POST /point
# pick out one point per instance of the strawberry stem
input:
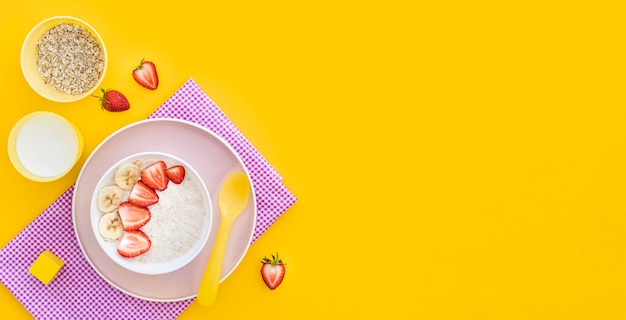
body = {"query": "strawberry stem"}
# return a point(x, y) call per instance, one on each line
point(103, 100)
point(140, 66)
point(274, 261)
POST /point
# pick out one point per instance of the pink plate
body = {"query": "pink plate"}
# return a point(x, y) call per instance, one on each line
point(210, 156)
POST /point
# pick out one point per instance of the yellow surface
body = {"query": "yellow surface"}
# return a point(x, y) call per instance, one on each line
point(46, 266)
point(452, 159)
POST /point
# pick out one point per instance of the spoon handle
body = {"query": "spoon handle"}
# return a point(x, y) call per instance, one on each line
point(207, 292)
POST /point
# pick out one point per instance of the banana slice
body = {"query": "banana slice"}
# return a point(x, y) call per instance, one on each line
point(126, 175)
point(110, 226)
point(109, 198)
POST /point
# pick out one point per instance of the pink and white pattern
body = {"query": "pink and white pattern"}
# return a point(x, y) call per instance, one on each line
point(192, 104)
point(78, 292)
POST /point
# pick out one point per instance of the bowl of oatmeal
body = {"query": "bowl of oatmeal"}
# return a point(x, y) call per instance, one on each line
point(151, 213)
point(63, 59)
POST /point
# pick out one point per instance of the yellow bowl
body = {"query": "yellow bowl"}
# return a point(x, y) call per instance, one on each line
point(44, 146)
point(28, 59)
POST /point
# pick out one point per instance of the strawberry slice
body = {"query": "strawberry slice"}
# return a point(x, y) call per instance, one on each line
point(146, 75)
point(133, 217)
point(176, 174)
point(133, 243)
point(272, 271)
point(154, 176)
point(142, 196)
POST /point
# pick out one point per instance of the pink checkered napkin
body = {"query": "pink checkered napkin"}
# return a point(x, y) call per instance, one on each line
point(78, 292)
point(192, 104)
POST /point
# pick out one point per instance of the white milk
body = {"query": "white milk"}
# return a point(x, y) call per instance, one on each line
point(47, 146)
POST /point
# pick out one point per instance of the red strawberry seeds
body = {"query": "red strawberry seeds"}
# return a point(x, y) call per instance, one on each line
point(113, 101)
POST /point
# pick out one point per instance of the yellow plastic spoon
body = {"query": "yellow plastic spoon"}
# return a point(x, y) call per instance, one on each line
point(232, 200)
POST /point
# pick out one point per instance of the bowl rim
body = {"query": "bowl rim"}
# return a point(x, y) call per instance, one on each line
point(164, 267)
point(12, 146)
point(24, 59)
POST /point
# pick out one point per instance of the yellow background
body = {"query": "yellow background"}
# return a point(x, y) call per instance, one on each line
point(452, 159)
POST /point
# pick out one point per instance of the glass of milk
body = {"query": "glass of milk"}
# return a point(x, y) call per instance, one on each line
point(43, 146)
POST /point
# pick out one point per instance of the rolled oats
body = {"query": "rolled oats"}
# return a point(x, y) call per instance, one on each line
point(69, 58)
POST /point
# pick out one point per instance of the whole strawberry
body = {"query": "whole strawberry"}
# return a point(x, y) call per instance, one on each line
point(146, 75)
point(113, 100)
point(272, 271)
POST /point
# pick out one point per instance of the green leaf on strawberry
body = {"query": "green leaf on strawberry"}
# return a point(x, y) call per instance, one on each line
point(113, 101)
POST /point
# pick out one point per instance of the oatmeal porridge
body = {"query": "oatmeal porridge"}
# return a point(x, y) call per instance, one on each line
point(176, 223)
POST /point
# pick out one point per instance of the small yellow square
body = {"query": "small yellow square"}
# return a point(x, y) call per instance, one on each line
point(46, 266)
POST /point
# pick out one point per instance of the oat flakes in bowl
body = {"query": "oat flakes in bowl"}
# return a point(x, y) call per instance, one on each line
point(63, 59)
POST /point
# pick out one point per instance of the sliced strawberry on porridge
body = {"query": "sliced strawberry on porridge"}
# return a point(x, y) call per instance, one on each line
point(176, 174)
point(142, 196)
point(133, 243)
point(133, 217)
point(154, 176)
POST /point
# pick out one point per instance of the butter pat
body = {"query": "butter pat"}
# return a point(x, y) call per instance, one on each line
point(46, 266)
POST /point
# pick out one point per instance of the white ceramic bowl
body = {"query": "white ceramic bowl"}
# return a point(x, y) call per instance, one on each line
point(43, 146)
point(168, 224)
point(28, 59)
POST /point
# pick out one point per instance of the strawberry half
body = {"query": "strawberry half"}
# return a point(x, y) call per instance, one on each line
point(133, 217)
point(154, 176)
point(133, 243)
point(146, 75)
point(113, 100)
point(176, 174)
point(142, 196)
point(272, 271)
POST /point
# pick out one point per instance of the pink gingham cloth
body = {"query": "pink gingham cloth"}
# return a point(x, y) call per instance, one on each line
point(77, 292)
